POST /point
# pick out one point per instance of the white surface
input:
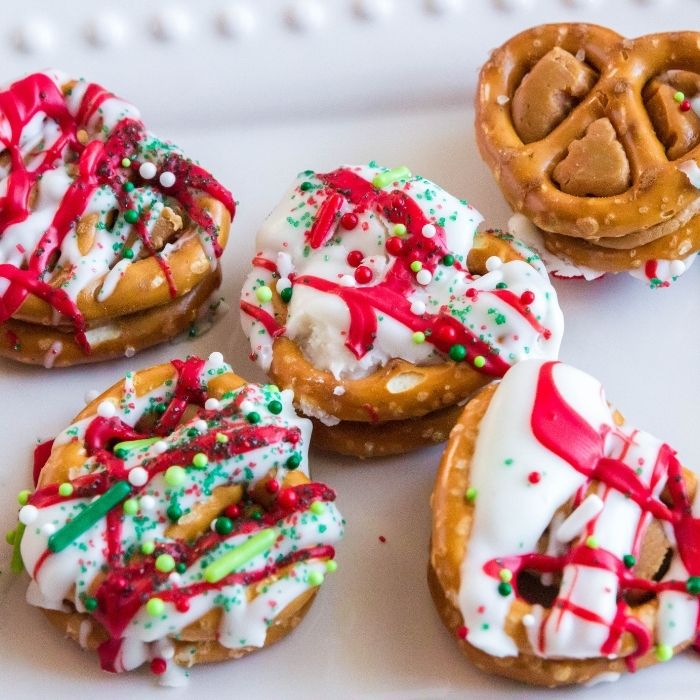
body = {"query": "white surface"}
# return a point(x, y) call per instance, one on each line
point(373, 630)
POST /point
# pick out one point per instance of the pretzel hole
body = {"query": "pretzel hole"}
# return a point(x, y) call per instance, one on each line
point(533, 590)
point(404, 382)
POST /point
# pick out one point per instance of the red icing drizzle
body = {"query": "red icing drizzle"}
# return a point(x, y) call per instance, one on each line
point(98, 164)
point(564, 432)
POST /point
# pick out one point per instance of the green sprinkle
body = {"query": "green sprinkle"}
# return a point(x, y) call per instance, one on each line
point(505, 575)
point(501, 285)
point(692, 585)
point(181, 567)
point(592, 542)
point(331, 566)
point(253, 417)
point(479, 361)
point(128, 253)
point(128, 187)
point(315, 578)
point(129, 445)
point(263, 294)
point(175, 476)
point(448, 260)
point(679, 96)
point(318, 508)
point(126, 162)
point(457, 352)
point(418, 337)
point(221, 438)
point(305, 186)
point(65, 489)
point(155, 607)
point(629, 560)
point(400, 230)
point(165, 563)
point(16, 563)
point(131, 506)
point(90, 603)
point(275, 407)
point(470, 494)
point(131, 216)
point(148, 547)
point(416, 266)
point(174, 512)
point(10, 537)
point(223, 526)
point(200, 460)
point(505, 589)
point(294, 460)
point(84, 520)
point(386, 178)
point(237, 557)
point(664, 652)
point(286, 295)
point(23, 497)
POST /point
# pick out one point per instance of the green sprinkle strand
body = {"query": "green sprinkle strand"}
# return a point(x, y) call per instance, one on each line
point(237, 557)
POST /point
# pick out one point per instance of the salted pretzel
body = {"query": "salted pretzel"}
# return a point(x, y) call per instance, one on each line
point(583, 132)
point(174, 522)
point(102, 226)
point(373, 298)
point(565, 543)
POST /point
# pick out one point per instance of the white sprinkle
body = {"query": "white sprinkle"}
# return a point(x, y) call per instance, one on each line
point(216, 358)
point(528, 620)
point(28, 514)
point(283, 283)
point(147, 504)
point(677, 267)
point(167, 179)
point(129, 351)
point(212, 525)
point(91, 395)
point(106, 409)
point(138, 476)
point(247, 407)
point(418, 308)
point(201, 426)
point(338, 390)
point(175, 579)
point(347, 281)
point(503, 99)
point(48, 529)
point(579, 518)
point(493, 263)
point(424, 277)
point(147, 170)
point(212, 404)
point(429, 230)
point(160, 447)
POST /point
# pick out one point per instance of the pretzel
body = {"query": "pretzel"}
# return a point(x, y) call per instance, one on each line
point(581, 130)
point(100, 220)
point(551, 560)
point(375, 301)
point(174, 521)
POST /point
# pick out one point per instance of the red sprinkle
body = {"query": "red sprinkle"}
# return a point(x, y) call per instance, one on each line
point(355, 257)
point(382, 539)
point(348, 221)
point(527, 297)
point(272, 486)
point(446, 334)
point(534, 477)
point(182, 605)
point(363, 274)
point(394, 245)
point(233, 511)
point(471, 292)
point(159, 666)
point(462, 632)
point(685, 105)
point(287, 498)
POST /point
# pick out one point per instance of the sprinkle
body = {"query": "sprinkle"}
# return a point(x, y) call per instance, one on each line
point(201, 426)
point(48, 528)
point(534, 477)
point(505, 575)
point(286, 295)
point(212, 405)
point(502, 100)
point(221, 438)
point(664, 652)
point(629, 560)
point(424, 277)
point(479, 361)
point(223, 525)
point(685, 106)
point(305, 186)
point(501, 285)
point(294, 460)
point(158, 666)
point(457, 352)
point(348, 221)
point(131, 216)
point(400, 230)
point(216, 359)
point(493, 263)
point(128, 186)
point(318, 508)
point(237, 557)
point(429, 230)
point(416, 266)
point(175, 476)
point(23, 497)
point(394, 245)
point(147, 503)
point(165, 563)
point(126, 162)
point(363, 274)
point(233, 511)
point(462, 632)
point(579, 518)
point(148, 547)
point(200, 460)
point(528, 620)
point(16, 564)
point(131, 506)
point(28, 514)
point(263, 294)
point(87, 517)
point(346, 281)
point(505, 589)
point(253, 417)
point(527, 297)
point(167, 179)
point(90, 603)
point(331, 566)
point(470, 494)
point(283, 283)
point(315, 578)
point(174, 512)
point(128, 253)
point(692, 585)
point(592, 542)
point(155, 607)
point(679, 96)
point(147, 170)
point(138, 476)
point(386, 178)
point(287, 498)
point(275, 407)
point(106, 409)
point(10, 537)
point(160, 447)
point(382, 539)
point(448, 260)
point(418, 308)
point(418, 337)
